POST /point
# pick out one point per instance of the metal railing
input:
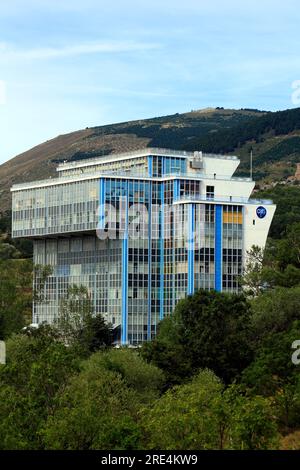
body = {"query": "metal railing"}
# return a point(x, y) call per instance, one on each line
point(140, 153)
point(230, 199)
point(120, 173)
point(211, 176)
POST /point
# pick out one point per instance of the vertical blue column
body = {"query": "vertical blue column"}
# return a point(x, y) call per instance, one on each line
point(150, 173)
point(162, 254)
point(163, 165)
point(149, 259)
point(124, 325)
point(150, 165)
point(218, 247)
point(99, 231)
point(191, 250)
point(101, 222)
point(176, 194)
point(46, 209)
point(176, 190)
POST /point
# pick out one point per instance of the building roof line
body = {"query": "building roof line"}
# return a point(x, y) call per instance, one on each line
point(115, 175)
point(139, 153)
point(227, 200)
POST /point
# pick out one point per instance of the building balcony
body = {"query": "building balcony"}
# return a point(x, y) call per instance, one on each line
point(221, 199)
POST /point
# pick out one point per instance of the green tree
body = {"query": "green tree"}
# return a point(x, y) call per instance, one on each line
point(76, 324)
point(38, 366)
point(8, 251)
point(202, 415)
point(13, 419)
point(41, 275)
point(288, 249)
point(74, 308)
point(252, 279)
point(185, 417)
point(265, 269)
point(273, 374)
point(252, 421)
point(273, 312)
point(15, 296)
point(17, 248)
point(207, 330)
point(287, 200)
point(272, 363)
point(95, 333)
point(146, 379)
point(97, 410)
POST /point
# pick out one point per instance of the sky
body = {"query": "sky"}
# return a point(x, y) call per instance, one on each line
point(68, 64)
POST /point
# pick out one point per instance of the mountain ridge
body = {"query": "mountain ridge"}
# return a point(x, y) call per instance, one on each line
point(273, 136)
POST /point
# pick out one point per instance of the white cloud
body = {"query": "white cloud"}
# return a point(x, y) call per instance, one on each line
point(9, 52)
point(2, 92)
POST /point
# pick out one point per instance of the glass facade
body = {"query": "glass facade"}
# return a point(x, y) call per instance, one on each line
point(54, 209)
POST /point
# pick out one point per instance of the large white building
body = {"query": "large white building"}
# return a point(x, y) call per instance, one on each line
point(140, 230)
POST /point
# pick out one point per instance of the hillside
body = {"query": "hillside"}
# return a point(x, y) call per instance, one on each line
point(274, 137)
point(168, 131)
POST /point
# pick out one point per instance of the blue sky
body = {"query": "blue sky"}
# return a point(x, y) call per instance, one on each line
point(69, 64)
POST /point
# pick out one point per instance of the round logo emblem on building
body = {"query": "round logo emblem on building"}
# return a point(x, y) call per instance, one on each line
point(261, 212)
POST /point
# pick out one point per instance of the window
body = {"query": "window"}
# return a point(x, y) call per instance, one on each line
point(210, 192)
